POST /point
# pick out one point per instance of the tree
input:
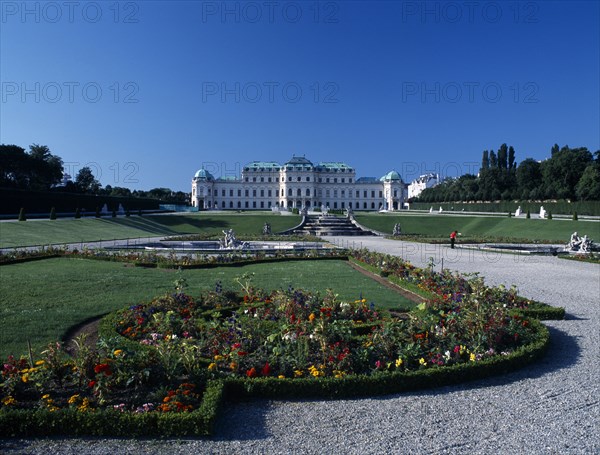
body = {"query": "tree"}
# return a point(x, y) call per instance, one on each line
point(52, 213)
point(512, 165)
point(588, 187)
point(503, 157)
point(529, 176)
point(563, 170)
point(493, 160)
point(22, 216)
point(86, 182)
point(485, 161)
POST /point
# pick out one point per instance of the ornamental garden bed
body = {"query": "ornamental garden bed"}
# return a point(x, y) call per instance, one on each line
point(163, 367)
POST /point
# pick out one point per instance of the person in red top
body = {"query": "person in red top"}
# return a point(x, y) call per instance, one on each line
point(453, 238)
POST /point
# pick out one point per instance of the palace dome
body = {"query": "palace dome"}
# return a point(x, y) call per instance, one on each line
point(203, 174)
point(390, 176)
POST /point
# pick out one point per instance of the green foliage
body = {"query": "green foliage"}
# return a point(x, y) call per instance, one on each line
point(97, 214)
point(22, 216)
point(77, 213)
point(52, 213)
point(549, 215)
point(528, 216)
point(575, 218)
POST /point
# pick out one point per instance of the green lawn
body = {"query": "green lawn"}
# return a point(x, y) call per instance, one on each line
point(44, 232)
point(436, 225)
point(40, 300)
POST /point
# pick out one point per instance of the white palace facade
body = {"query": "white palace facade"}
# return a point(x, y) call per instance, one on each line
point(298, 184)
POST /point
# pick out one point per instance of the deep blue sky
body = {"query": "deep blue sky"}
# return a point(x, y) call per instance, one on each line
point(412, 86)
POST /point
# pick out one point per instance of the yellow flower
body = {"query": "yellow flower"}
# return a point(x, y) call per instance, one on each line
point(9, 401)
point(233, 365)
point(338, 374)
point(422, 361)
point(212, 366)
point(45, 397)
point(218, 357)
point(311, 317)
point(472, 357)
point(118, 352)
point(73, 399)
point(398, 363)
point(40, 362)
point(298, 373)
point(364, 301)
point(25, 377)
point(281, 376)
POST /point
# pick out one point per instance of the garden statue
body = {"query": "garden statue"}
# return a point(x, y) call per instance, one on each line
point(518, 211)
point(349, 212)
point(441, 210)
point(231, 242)
point(266, 229)
point(542, 212)
point(578, 244)
point(431, 209)
point(304, 211)
point(397, 230)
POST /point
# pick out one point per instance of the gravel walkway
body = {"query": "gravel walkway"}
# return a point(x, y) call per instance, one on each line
point(552, 407)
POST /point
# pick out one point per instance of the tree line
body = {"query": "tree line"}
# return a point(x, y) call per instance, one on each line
point(39, 170)
point(569, 173)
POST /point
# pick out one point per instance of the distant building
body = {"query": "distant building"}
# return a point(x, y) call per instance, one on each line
point(298, 184)
point(424, 181)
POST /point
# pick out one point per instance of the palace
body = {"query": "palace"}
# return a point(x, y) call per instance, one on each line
point(298, 184)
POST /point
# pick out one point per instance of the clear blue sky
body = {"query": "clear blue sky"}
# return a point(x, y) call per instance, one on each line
point(147, 92)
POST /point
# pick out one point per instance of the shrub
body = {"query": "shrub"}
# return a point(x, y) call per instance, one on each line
point(77, 213)
point(575, 218)
point(22, 216)
point(528, 216)
point(549, 215)
point(52, 213)
point(97, 212)
point(114, 214)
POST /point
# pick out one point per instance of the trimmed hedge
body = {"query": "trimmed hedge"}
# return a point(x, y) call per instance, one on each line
point(42, 422)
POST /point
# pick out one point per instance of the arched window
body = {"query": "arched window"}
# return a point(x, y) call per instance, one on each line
point(308, 191)
point(299, 192)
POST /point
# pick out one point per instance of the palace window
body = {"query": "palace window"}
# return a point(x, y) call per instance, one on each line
point(239, 193)
point(373, 195)
point(308, 191)
point(253, 193)
point(365, 194)
point(247, 194)
point(269, 193)
point(253, 204)
point(380, 193)
point(299, 192)
point(262, 179)
point(230, 193)
point(357, 194)
point(262, 193)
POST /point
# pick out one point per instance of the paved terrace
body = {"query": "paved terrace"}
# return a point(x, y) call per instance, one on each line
point(552, 407)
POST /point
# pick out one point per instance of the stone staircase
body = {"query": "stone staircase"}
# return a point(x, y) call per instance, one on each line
point(320, 225)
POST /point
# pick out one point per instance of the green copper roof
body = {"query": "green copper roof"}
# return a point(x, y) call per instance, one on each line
point(263, 164)
point(203, 174)
point(392, 175)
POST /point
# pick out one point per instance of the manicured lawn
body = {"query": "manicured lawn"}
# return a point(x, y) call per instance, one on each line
point(40, 300)
point(436, 225)
point(44, 232)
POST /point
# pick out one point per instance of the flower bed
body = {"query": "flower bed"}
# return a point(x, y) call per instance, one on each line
point(162, 368)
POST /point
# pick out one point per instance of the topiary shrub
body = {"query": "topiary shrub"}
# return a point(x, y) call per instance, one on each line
point(528, 216)
point(22, 216)
point(97, 212)
point(575, 218)
point(77, 213)
point(549, 215)
point(52, 213)
point(114, 214)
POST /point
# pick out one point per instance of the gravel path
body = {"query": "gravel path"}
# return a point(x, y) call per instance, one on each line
point(552, 407)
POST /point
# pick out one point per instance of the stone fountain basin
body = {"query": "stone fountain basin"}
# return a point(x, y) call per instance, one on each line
point(212, 246)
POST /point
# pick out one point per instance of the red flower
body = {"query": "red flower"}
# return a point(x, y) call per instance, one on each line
point(242, 353)
point(266, 369)
point(251, 373)
point(91, 384)
point(103, 368)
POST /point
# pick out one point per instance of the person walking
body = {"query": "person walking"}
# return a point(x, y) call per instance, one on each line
point(453, 238)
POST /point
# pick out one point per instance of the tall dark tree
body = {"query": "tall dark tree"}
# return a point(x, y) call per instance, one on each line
point(86, 182)
point(503, 157)
point(512, 165)
point(485, 161)
point(529, 178)
point(493, 160)
point(588, 187)
point(554, 149)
